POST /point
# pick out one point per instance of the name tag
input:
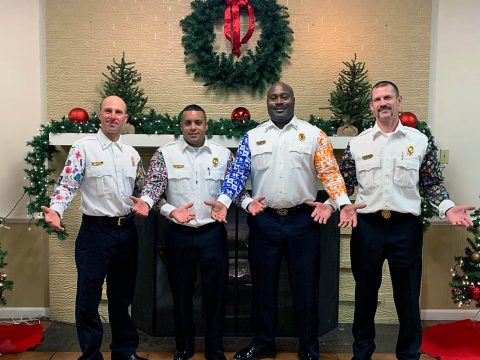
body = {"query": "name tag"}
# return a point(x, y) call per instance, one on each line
point(97, 163)
point(261, 142)
point(178, 166)
point(366, 157)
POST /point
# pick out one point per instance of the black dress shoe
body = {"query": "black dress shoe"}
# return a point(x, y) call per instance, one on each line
point(254, 352)
point(182, 355)
point(303, 355)
point(135, 357)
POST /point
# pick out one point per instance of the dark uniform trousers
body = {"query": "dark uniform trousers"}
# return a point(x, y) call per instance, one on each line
point(185, 249)
point(105, 249)
point(297, 237)
point(398, 240)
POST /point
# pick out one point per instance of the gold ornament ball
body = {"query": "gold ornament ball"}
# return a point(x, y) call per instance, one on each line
point(475, 257)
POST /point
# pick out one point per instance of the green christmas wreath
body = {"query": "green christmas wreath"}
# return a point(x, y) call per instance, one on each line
point(256, 69)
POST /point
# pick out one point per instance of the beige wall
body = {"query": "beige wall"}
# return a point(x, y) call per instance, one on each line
point(393, 38)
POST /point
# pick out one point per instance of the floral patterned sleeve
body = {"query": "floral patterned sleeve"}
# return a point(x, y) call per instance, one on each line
point(157, 179)
point(139, 179)
point(432, 187)
point(70, 179)
point(244, 194)
point(327, 167)
point(348, 171)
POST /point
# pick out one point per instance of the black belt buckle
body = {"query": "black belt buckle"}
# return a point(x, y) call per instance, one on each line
point(281, 212)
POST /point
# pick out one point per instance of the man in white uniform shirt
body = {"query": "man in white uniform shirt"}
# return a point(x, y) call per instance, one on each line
point(107, 172)
point(284, 157)
point(392, 164)
point(190, 171)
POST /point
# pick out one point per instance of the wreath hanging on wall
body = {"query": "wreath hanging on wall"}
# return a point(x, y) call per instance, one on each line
point(256, 70)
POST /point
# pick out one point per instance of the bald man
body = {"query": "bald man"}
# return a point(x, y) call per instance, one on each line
point(106, 172)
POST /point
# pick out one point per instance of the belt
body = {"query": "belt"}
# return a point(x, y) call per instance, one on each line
point(289, 211)
point(389, 214)
point(109, 220)
point(194, 229)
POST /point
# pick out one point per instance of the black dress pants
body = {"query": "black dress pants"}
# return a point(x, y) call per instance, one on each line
point(111, 251)
point(398, 240)
point(297, 237)
point(185, 249)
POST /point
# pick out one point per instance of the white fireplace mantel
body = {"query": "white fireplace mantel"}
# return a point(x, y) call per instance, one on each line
point(154, 141)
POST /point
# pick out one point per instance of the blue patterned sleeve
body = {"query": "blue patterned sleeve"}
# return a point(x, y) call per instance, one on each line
point(239, 171)
point(348, 170)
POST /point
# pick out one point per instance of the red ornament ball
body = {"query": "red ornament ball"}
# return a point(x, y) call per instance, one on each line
point(78, 116)
point(409, 119)
point(240, 114)
point(474, 292)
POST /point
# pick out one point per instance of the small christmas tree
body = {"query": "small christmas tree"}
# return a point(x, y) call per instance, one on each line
point(122, 82)
point(465, 281)
point(350, 100)
point(4, 283)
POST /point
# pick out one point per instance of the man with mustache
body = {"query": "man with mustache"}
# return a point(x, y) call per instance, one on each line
point(190, 171)
point(284, 157)
point(106, 172)
point(392, 164)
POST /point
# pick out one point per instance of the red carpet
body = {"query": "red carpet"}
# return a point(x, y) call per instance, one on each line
point(18, 338)
point(459, 340)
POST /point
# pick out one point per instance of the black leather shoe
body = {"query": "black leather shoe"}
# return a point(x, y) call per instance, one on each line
point(303, 355)
point(135, 357)
point(182, 355)
point(254, 352)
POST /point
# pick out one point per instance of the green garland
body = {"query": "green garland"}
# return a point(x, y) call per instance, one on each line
point(38, 173)
point(255, 70)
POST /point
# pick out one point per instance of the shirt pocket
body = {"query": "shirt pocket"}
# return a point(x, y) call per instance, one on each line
point(178, 181)
point(261, 157)
point(406, 172)
point(102, 177)
point(369, 174)
point(214, 180)
point(300, 155)
point(130, 176)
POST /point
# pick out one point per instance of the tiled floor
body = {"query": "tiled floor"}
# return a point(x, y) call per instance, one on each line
point(60, 343)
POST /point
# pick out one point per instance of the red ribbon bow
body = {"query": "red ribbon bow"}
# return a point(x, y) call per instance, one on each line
point(232, 13)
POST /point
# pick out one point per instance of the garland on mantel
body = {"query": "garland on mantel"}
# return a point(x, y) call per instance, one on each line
point(38, 173)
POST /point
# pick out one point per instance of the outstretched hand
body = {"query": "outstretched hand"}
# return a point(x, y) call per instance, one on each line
point(219, 211)
point(256, 206)
point(140, 207)
point(348, 215)
point(457, 215)
point(52, 218)
point(322, 212)
point(182, 215)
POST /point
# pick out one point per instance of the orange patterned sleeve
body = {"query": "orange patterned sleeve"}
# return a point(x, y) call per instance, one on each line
point(327, 167)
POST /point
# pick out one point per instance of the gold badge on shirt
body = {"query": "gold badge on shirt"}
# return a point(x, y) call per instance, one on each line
point(133, 161)
point(178, 166)
point(261, 142)
point(301, 137)
point(97, 163)
point(367, 157)
point(410, 149)
point(215, 161)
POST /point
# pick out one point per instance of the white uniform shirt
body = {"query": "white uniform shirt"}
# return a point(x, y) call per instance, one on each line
point(105, 173)
point(388, 170)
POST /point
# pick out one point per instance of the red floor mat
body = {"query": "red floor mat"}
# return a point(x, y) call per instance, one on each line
point(18, 338)
point(458, 340)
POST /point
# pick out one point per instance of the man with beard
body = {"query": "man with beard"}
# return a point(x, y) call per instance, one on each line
point(392, 164)
point(107, 172)
point(190, 171)
point(283, 157)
